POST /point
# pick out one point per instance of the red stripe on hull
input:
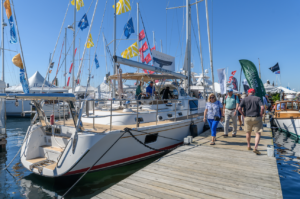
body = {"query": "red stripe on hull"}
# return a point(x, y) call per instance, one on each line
point(121, 161)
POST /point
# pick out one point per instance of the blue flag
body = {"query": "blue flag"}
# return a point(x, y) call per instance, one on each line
point(128, 28)
point(96, 61)
point(23, 81)
point(83, 23)
point(13, 36)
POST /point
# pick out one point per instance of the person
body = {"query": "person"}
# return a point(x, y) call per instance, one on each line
point(150, 90)
point(239, 114)
point(213, 108)
point(231, 104)
point(266, 105)
point(200, 95)
point(166, 92)
point(138, 92)
point(253, 109)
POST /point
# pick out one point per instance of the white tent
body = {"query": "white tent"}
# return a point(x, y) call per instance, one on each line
point(286, 91)
point(35, 86)
point(82, 89)
point(271, 89)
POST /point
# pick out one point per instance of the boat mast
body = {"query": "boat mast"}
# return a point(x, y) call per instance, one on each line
point(65, 57)
point(74, 35)
point(161, 47)
point(188, 43)
point(209, 47)
point(2, 46)
point(204, 93)
point(137, 32)
point(115, 47)
point(105, 55)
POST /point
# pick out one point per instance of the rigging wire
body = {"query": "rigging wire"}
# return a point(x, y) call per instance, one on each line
point(179, 41)
point(167, 25)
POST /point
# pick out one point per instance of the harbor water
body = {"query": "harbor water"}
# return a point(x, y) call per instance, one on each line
point(18, 182)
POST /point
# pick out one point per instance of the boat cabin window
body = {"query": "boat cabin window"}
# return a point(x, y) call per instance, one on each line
point(289, 105)
point(278, 106)
point(295, 106)
point(282, 106)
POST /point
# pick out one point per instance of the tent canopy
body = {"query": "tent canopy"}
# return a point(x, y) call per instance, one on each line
point(285, 90)
point(271, 89)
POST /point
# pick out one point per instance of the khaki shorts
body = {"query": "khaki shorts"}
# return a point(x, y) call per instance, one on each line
point(253, 123)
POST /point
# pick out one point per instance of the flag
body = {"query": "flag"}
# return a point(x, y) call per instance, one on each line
point(96, 61)
point(13, 36)
point(70, 71)
point(148, 58)
point(277, 72)
point(83, 23)
point(142, 35)
point(123, 6)
point(23, 81)
point(128, 28)
point(90, 42)
point(51, 65)
point(233, 72)
point(145, 71)
point(230, 79)
point(131, 51)
point(252, 77)
point(68, 81)
point(17, 61)
point(234, 84)
point(79, 4)
point(275, 68)
point(154, 48)
point(151, 72)
point(222, 80)
point(144, 47)
point(246, 86)
point(142, 55)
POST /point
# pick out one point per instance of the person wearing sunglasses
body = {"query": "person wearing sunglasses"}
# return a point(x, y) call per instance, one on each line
point(213, 114)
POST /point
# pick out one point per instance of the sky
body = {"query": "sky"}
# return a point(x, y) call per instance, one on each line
point(247, 29)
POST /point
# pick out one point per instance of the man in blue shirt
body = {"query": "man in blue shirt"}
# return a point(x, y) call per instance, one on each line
point(231, 104)
point(150, 89)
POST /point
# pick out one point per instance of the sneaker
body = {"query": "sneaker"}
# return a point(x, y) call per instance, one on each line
point(241, 128)
point(233, 135)
point(225, 135)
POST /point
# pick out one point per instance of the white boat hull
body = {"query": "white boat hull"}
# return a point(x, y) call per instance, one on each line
point(289, 125)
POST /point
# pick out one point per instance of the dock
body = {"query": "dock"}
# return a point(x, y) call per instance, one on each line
point(201, 170)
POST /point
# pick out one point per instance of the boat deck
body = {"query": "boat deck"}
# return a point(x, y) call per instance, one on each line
point(225, 170)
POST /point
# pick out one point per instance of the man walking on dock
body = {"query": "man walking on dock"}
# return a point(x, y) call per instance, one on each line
point(231, 104)
point(253, 111)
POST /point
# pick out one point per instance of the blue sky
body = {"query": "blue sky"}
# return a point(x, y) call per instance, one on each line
point(248, 29)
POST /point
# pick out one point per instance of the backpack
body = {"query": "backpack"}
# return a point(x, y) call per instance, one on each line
point(226, 98)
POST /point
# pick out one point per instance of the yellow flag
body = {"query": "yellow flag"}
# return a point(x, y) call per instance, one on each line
point(79, 4)
point(123, 6)
point(18, 61)
point(90, 42)
point(130, 52)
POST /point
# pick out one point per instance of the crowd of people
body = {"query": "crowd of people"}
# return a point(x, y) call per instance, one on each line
point(248, 109)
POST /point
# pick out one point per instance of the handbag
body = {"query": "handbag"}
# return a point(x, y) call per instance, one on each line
point(217, 118)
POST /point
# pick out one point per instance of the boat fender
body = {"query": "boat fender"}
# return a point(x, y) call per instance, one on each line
point(159, 118)
point(193, 129)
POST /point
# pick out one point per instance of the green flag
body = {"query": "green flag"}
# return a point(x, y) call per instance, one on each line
point(252, 77)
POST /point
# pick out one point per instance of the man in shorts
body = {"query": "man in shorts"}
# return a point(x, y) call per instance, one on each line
point(252, 110)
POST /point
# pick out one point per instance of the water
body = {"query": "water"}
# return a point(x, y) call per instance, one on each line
point(18, 182)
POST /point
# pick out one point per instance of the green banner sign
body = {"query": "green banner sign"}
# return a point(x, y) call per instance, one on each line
point(252, 77)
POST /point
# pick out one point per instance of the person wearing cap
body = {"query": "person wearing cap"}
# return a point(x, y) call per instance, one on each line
point(150, 90)
point(252, 109)
point(231, 104)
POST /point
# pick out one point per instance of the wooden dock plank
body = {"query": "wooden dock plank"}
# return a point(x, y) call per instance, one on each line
point(225, 170)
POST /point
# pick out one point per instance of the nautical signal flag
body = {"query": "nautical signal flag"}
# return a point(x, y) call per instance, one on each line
point(277, 72)
point(79, 4)
point(142, 55)
point(148, 58)
point(142, 35)
point(128, 28)
point(154, 48)
point(275, 68)
point(144, 47)
point(90, 42)
point(83, 23)
point(13, 36)
point(17, 61)
point(96, 61)
point(131, 51)
point(122, 6)
point(233, 72)
point(68, 81)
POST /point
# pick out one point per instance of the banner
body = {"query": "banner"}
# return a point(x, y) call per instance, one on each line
point(222, 80)
point(252, 77)
point(96, 61)
point(23, 81)
point(275, 68)
point(13, 35)
point(163, 60)
point(234, 83)
point(246, 86)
